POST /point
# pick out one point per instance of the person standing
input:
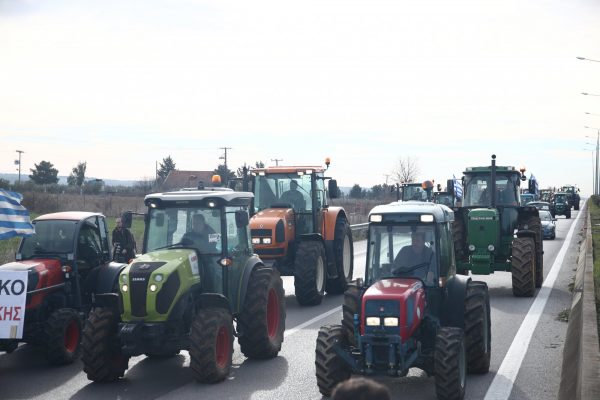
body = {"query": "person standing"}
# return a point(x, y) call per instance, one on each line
point(123, 243)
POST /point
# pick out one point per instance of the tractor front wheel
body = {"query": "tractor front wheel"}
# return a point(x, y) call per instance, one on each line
point(350, 307)
point(330, 368)
point(478, 333)
point(344, 257)
point(523, 267)
point(211, 345)
point(62, 336)
point(102, 358)
point(310, 273)
point(262, 321)
point(450, 364)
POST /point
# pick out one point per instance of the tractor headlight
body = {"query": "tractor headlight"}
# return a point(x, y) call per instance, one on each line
point(124, 288)
point(267, 240)
point(158, 277)
point(373, 321)
point(491, 247)
point(255, 240)
point(153, 287)
point(390, 321)
point(124, 278)
point(471, 247)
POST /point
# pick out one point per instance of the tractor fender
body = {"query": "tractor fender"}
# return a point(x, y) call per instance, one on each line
point(330, 217)
point(108, 300)
point(213, 300)
point(253, 262)
point(329, 250)
point(453, 308)
point(107, 277)
point(526, 233)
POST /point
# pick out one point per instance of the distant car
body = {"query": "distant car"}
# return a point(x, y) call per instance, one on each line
point(548, 224)
point(542, 205)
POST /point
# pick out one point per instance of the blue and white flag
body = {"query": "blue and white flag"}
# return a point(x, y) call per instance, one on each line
point(14, 218)
point(458, 188)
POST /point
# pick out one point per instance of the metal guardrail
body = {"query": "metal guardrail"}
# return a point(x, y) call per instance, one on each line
point(356, 227)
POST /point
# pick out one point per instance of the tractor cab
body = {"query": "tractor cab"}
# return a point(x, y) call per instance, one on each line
point(417, 191)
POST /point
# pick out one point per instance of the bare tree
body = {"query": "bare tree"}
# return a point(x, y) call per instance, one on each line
point(406, 170)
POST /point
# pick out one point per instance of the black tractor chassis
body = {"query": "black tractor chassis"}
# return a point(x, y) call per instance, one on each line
point(152, 338)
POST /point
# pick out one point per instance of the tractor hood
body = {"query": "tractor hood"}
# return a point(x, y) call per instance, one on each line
point(401, 298)
point(271, 230)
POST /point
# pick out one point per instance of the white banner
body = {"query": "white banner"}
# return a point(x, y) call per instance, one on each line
point(13, 297)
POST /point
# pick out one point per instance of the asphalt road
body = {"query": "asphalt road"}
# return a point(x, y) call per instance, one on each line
point(25, 374)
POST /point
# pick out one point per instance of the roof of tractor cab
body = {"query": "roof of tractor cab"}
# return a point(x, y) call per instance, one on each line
point(67, 216)
point(288, 170)
point(440, 212)
point(195, 195)
point(487, 169)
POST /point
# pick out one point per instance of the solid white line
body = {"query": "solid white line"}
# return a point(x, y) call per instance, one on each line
point(290, 332)
point(504, 380)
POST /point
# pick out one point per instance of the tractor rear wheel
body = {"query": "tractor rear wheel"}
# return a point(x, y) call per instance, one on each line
point(523, 267)
point(458, 235)
point(62, 336)
point(478, 333)
point(350, 307)
point(535, 224)
point(450, 364)
point(211, 345)
point(102, 358)
point(343, 248)
point(262, 320)
point(330, 368)
point(310, 273)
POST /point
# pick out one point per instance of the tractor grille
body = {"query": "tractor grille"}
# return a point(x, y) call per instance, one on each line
point(165, 297)
point(382, 309)
point(261, 232)
point(139, 274)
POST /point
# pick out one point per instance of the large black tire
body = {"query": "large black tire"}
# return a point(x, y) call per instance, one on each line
point(351, 306)
point(523, 267)
point(62, 336)
point(102, 358)
point(310, 273)
point(568, 214)
point(459, 239)
point(535, 224)
point(330, 368)
point(450, 369)
point(211, 345)
point(343, 248)
point(262, 320)
point(478, 333)
point(577, 205)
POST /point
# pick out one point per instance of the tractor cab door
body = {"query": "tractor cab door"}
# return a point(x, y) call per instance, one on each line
point(238, 249)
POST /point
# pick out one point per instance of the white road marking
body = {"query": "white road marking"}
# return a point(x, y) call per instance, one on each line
point(504, 380)
point(303, 325)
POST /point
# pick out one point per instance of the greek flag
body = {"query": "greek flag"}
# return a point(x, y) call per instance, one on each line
point(458, 189)
point(14, 218)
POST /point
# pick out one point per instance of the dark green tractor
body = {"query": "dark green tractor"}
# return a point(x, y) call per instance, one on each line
point(494, 232)
point(186, 290)
point(562, 204)
point(574, 198)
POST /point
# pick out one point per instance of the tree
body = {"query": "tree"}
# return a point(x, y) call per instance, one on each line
point(77, 176)
point(4, 184)
point(167, 165)
point(44, 173)
point(407, 170)
point(356, 192)
point(378, 192)
point(225, 173)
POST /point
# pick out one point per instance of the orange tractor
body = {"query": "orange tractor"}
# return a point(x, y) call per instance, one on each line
point(294, 227)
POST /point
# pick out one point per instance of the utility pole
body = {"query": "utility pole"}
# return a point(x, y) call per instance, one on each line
point(224, 157)
point(386, 178)
point(276, 161)
point(20, 152)
point(597, 187)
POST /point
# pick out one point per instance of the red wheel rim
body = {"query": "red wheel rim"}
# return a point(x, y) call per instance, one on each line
point(222, 347)
point(272, 314)
point(72, 336)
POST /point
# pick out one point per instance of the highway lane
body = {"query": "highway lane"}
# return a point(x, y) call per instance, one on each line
point(25, 374)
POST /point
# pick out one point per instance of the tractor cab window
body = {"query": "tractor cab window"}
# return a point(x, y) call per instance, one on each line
point(283, 190)
point(478, 187)
point(89, 245)
point(414, 192)
point(407, 251)
point(560, 198)
point(51, 237)
point(237, 237)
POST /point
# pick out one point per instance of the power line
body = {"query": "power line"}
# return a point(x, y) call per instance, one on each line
point(276, 161)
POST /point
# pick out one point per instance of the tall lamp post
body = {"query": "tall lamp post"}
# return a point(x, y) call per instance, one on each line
point(593, 165)
point(596, 183)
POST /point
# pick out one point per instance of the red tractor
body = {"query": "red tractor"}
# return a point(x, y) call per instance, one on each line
point(411, 310)
point(68, 261)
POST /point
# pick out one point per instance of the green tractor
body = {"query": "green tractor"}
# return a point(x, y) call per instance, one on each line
point(496, 233)
point(562, 204)
point(574, 198)
point(196, 276)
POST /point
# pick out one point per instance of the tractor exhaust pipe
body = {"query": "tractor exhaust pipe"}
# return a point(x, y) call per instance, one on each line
point(493, 183)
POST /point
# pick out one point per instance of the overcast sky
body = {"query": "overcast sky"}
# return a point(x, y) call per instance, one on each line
point(123, 84)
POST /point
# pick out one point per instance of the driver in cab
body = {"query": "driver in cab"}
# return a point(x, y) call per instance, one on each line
point(294, 197)
point(415, 260)
point(201, 236)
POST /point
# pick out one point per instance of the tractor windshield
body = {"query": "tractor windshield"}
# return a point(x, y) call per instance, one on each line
point(413, 192)
point(560, 198)
point(195, 227)
point(284, 190)
point(402, 251)
point(50, 237)
point(477, 188)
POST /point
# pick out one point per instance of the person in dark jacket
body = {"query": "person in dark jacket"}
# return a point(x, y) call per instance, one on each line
point(123, 243)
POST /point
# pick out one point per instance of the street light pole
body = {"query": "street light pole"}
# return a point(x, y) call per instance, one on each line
point(596, 181)
point(20, 152)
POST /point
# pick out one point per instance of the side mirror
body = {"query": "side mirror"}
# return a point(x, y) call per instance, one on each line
point(332, 187)
point(126, 219)
point(241, 218)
